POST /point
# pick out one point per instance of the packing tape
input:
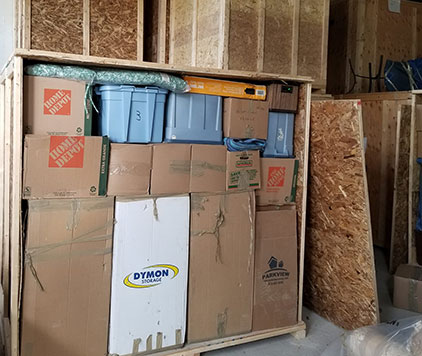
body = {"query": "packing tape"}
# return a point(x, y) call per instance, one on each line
point(249, 132)
point(86, 204)
point(243, 180)
point(155, 209)
point(179, 167)
point(197, 202)
point(252, 230)
point(159, 343)
point(135, 346)
point(198, 168)
point(129, 168)
point(149, 343)
point(178, 336)
point(57, 255)
point(222, 323)
point(412, 297)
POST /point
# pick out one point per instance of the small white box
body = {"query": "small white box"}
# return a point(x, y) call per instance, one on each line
point(149, 277)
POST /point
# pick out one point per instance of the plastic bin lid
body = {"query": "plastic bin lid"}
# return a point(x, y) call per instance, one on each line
point(132, 88)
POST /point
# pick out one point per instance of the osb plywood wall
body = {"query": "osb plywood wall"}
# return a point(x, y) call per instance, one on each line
point(369, 30)
point(57, 25)
point(399, 235)
point(340, 273)
point(114, 28)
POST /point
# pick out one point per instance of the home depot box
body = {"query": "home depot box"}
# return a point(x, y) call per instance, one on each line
point(275, 289)
point(150, 269)
point(208, 168)
point(65, 166)
point(283, 97)
point(66, 280)
point(55, 106)
point(170, 169)
point(243, 170)
point(278, 181)
point(129, 169)
point(229, 88)
point(408, 288)
point(221, 265)
point(245, 118)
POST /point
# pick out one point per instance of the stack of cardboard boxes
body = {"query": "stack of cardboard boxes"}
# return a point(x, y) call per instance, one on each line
point(128, 225)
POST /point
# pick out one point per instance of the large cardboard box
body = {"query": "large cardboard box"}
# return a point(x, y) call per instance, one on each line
point(54, 106)
point(65, 166)
point(129, 169)
point(408, 288)
point(278, 181)
point(243, 170)
point(275, 289)
point(170, 169)
point(221, 265)
point(66, 280)
point(245, 118)
point(283, 97)
point(208, 168)
point(150, 270)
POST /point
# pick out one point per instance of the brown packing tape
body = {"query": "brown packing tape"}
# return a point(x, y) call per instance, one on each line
point(178, 336)
point(135, 346)
point(159, 343)
point(130, 168)
point(251, 214)
point(64, 204)
point(249, 132)
point(149, 343)
point(197, 202)
point(222, 323)
point(122, 199)
point(412, 297)
point(198, 168)
point(179, 167)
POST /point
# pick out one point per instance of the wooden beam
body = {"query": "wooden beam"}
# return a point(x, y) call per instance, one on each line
point(295, 37)
point(261, 36)
point(86, 27)
point(162, 31)
point(3, 204)
point(26, 24)
point(140, 33)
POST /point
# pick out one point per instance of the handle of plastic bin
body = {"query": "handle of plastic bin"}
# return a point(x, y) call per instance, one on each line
point(152, 113)
point(127, 104)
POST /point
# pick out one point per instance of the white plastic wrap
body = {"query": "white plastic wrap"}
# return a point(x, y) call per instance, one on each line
point(396, 338)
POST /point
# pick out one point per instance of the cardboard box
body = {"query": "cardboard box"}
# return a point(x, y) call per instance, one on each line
point(170, 169)
point(275, 288)
point(408, 288)
point(221, 265)
point(65, 166)
point(283, 97)
point(208, 168)
point(278, 181)
point(129, 169)
point(55, 106)
point(226, 88)
point(245, 118)
point(243, 170)
point(150, 271)
point(67, 274)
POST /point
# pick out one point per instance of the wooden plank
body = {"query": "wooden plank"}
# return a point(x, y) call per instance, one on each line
point(26, 21)
point(198, 348)
point(15, 203)
point(56, 26)
point(69, 58)
point(86, 27)
point(399, 228)
point(261, 34)
point(401, 95)
point(114, 28)
point(140, 31)
point(340, 280)
point(3, 204)
point(162, 32)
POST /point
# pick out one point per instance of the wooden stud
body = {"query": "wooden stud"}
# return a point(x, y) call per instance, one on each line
point(140, 31)
point(26, 23)
point(3, 204)
point(324, 44)
point(162, 31)
point(295, 38)
point(261, 35)
point(171, 35)
point(223, 48)
point(16, 228)
point(194, 31)
point(86, 27)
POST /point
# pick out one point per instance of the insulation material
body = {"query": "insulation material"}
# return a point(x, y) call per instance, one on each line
point(114, 28)
point(57, 25)
point(279, 22)
point(340, 280)
point(311, 39)
point(399, 232)
point(243, 36)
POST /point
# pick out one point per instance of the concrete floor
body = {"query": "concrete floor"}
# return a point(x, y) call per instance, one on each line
point(323, 337)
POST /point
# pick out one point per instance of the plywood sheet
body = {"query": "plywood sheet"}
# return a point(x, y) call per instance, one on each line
point(279, 29)
point(340, 280)
point(399, 234)
point(243, 34)
point(57, 25)
point(311, 40)
point(181, 32)
point(114, 28)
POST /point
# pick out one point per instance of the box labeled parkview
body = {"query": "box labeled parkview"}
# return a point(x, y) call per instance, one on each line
point(54, 106)
point(65, 166)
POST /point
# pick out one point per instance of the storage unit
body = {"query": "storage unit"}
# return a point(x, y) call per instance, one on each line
point(131, 114)
point(280, 135)
point(150, 273)
point(11, 139)
point(194, 118)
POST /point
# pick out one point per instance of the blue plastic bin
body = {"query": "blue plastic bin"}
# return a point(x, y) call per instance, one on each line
point(280, 135)
point(131, 114)
point(194, 118)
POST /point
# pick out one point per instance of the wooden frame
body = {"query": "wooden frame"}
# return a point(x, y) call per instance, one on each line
point(12, 82)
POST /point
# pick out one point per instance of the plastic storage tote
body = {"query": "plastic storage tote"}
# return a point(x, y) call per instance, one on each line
point(280, 135)
point(194, 118)
point(131, 114)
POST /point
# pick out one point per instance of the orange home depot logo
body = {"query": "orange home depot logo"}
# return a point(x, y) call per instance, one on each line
point(57, 101)
point(276, 176)
point(66, 152)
